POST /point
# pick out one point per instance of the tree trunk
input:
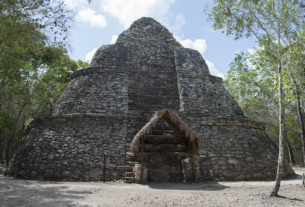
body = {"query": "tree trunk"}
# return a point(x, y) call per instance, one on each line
point(299, 111)
point(281, 137)
point(301, 123)
point(7, 149)
point(290, 153)
point(281, 123)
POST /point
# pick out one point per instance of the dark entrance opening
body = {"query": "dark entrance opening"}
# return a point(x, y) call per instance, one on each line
point(166, 148)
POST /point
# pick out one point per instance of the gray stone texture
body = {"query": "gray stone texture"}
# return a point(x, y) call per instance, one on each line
point(105, 105)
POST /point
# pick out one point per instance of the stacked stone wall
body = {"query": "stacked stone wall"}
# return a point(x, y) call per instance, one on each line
point(78, 147)
point(102, 93)
point(84, 139)
point(236, 149)
point(201, 94)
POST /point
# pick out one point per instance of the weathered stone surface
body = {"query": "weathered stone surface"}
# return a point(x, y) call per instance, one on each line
point(105, 105)
point(69, 152)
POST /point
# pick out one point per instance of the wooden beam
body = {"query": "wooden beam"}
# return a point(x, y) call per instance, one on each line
point(193, 161)
point(164, 147)
point(167, 136)
point(164, 139)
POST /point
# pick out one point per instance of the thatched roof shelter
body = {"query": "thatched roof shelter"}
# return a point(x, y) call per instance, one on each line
point(175, 122)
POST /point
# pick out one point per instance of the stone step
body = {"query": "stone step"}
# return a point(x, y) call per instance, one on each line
point(129, 174)
point(131, 159)
point(132, 163)
point(128, 168)
point(129, 179)
point(130, 156)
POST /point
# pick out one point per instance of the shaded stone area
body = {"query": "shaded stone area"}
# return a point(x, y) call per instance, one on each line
point(103, 107)
point(60, 148)
point(95, 93)
point(238, 153)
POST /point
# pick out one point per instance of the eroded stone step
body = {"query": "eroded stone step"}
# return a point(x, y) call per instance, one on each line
point(131, 163)
point(128, 168)
point(130, 156)
point(129, 179)
point(129, 174)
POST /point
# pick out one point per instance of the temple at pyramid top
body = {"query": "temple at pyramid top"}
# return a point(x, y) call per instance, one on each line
point(150, 42)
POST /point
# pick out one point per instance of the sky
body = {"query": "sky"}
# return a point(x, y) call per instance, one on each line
point(101, 21)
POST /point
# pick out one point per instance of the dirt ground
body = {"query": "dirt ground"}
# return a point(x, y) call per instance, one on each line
point(16, 192)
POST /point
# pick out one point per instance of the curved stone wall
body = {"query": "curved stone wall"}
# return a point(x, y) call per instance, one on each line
point(85, 147)
point(201, 94)
point(236, 149)
point(102, 93)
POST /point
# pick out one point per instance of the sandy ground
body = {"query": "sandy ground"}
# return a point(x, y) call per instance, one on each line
point(16, 192)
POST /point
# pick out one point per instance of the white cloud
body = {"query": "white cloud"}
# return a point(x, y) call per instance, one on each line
point(90, 55)
point(180, 21)
point(113, 39)
point(198, 44)
point(89, 16)
point(72, 4)
point(213, 69)
point(126, 11)
point(252, 50)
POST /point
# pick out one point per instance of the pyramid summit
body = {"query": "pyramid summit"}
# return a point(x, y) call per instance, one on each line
point(146, 101)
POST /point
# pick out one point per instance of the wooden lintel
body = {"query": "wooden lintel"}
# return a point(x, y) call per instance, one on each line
point(168, 136)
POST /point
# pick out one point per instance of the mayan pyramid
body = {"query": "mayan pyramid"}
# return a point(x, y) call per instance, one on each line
point(146, 100)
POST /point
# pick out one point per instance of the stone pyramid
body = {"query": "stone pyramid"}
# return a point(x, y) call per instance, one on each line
point(105, 105)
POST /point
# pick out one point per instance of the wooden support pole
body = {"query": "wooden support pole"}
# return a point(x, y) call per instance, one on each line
point(104, 168)
point(142, 160)
point(193, 161)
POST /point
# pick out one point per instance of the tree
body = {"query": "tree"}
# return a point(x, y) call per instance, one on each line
point(26, 28)
point(296, 61)
point(252, 81)
point(266, 21)
point(30, 33)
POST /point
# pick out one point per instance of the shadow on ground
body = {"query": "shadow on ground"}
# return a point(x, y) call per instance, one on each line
point(15, 192)
point(2, 169)
point(188, 186)
point(292, 199)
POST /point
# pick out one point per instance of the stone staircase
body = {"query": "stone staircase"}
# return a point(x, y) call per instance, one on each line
point(159, 141)
point(130, 163)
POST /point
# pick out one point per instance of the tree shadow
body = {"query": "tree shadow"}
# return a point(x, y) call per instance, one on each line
point(291, 199)
point(2, 169)
point(16, 192)
point(213, 186)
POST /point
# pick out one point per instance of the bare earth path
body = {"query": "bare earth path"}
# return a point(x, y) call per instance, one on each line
point(15, 192)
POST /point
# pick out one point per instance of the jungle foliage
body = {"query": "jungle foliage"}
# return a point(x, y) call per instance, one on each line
point(34, 65)
point(278, 27)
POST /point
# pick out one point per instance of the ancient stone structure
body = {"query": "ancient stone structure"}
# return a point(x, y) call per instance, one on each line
point(89, 135)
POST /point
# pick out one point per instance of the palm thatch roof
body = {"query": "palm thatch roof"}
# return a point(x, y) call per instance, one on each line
point(175, 122)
